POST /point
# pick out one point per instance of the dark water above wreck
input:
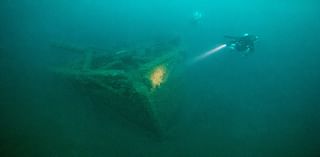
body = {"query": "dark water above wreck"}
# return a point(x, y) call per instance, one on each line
point(264, 104)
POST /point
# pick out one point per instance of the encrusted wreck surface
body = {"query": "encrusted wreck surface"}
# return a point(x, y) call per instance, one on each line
point(143, 84)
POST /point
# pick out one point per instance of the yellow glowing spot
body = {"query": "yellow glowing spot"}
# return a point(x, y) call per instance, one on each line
point(157, 76)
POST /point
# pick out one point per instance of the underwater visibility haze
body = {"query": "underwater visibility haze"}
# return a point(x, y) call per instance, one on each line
point(154, 78)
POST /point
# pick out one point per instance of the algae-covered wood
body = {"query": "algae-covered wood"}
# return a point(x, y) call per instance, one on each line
point(142, 84)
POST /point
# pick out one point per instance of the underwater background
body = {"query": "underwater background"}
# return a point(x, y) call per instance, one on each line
point(264, 104)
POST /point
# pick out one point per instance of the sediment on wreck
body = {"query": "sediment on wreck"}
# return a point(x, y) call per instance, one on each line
point(142, 84)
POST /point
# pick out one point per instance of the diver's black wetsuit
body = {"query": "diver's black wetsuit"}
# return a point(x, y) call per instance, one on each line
point(244, 43)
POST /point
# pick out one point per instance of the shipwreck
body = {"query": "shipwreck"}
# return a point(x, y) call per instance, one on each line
point(144, 84)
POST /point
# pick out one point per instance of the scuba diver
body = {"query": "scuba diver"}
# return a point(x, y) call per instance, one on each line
point(243, 44)
point(196, 17)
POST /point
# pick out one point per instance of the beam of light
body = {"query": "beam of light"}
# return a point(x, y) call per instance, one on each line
point(208, 53)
